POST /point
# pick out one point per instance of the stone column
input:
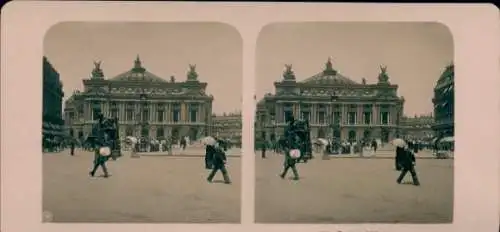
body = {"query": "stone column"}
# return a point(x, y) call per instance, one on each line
point(277, 112)
point(344, 113)
point(360, 115)
point(85, 110)
point(152, 114)
point(168, 109)
point(296, 110)
point(183, 112)
point(376, 114)
point(313, 113)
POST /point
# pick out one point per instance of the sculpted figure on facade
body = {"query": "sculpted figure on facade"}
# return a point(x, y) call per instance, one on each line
point(97, 71)
point(288, 74)
point(192, 74)
point(383, 77)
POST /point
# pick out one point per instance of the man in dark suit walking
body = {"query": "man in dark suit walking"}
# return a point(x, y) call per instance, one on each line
point(72, 147)
point(209, 154)
point(219, 163)
point(264, 148)
point(407, 163)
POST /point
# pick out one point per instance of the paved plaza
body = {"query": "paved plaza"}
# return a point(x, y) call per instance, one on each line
point(147, 189)
point(353, 190)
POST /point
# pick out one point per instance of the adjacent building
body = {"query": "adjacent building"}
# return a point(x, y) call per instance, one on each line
point(145, 104)
point(418, 127)
point(335, 105)
point(53, 94)
point(444, 103)
point(228, 126)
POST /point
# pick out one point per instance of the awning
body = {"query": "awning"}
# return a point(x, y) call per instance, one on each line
point(449, 139)
point(53, 132)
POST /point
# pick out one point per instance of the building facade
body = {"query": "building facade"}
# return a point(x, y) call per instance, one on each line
point(228, 126)
point(52, 105)
point(335, 106)
point(145, 104)
point(444, 103)
point(418, 127)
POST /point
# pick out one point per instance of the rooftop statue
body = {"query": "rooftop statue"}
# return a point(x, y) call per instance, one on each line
point(192, 75)
point(288, 74)
point(97, 71)
point(383, 77)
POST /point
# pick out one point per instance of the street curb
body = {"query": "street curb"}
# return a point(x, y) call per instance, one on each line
point(380, 157)
point(331, 157)
point(182, 156)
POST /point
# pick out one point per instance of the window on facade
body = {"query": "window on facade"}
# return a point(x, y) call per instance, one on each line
point(114, 113)
point(129, 131)
point(306, 115)
point(176, 112)
point(193, 113)
point(130, 115)
point(384, 118)
point(176, 115)
point(145, 115)
point(160, 133)
point(337, 117)
point(71, 115)
point(288, 115)
point(160, 115)
point(95, 113)
point(367, 117)
point(321, 117)
point(352, 118)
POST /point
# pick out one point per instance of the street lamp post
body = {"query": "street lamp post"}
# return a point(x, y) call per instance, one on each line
point(398, 115)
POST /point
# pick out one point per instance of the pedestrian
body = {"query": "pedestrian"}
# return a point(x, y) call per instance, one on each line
point(291, 148)
point(374, 145)
point(407, 163)
point(400, 152)
point(209, 154)
point(101, 156)
point(290, 163)
point(219, 161)
point(264, 147)
point(72, 148)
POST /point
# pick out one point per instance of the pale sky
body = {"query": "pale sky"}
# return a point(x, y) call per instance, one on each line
point(165, 49)
point(415, 55)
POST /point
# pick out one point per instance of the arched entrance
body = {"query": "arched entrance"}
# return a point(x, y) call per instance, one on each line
point(263, 135)
point(160, 133)
point(384, 135)
point(367, 134)
point(80, 134)
point(175, 135)
point(129, 131)
point(337, 134)
point(273, 137)
point(145, 132)
point(352, 136)
point(321, 133)
point(71, 132)
point(193, 133)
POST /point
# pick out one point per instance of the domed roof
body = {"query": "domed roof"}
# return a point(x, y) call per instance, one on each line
point(138, 76)
point(329, 79)
point(329, 76)
point(138, 73)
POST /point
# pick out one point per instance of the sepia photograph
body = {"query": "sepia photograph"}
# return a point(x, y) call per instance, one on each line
point(354, 123)
point(142, 122)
